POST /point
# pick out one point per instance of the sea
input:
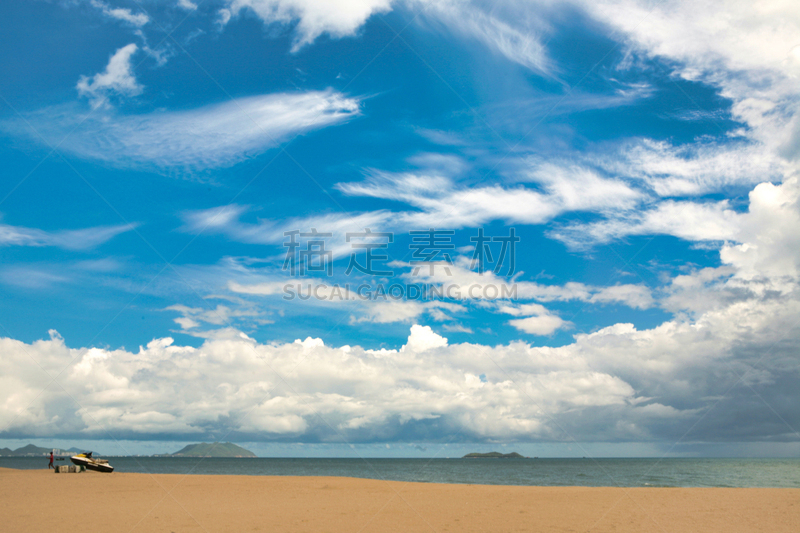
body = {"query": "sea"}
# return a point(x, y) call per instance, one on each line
point(639, 472)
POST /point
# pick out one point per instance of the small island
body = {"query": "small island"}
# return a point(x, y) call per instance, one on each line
point(494, 455)
point(216, 449)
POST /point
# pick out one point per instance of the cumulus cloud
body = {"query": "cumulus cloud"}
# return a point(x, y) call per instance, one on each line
point(539, 324)
point(117, 78)
point(616, 384)
point(209, 137)
point(422, 339)
point(768, 237)
point(338, 18)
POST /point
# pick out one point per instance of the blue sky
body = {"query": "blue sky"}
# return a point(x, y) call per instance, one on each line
point(155, 153)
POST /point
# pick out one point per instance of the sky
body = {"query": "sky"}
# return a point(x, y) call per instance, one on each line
point(401, 227)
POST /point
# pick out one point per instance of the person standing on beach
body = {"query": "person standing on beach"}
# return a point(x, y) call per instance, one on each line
point(51, 462)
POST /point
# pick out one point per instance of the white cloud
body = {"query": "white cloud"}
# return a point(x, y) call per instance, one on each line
point(225, 221)
point(578, 188)
point(441, 202)
point(117, 78)
point(80, 239)
point(378, 312)
point(123, 14)
point(750, 37)
point(456, 328)
point(712, 221)
point(456, 290)
point(475, 286)
point(619, 383)
point(209, 137)
point(542, 322)
point(539, 325)
point(337, 18)
point(695, 168)
point(169, 390)
point(220, 315)
point(761, 242)
point(505, 29)
point(744, 49)
point(31, 277)
point(768, 240)
point(188, 5)
point(258, 289)
point(422, 339)
point(634, 296)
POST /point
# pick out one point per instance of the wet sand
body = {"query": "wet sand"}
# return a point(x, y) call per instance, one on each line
point(39, 500)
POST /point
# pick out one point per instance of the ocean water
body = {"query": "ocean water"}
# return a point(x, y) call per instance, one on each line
point(544, 472)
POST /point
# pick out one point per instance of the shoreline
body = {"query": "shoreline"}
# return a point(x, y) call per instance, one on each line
point(633, 472)
point(39, 500)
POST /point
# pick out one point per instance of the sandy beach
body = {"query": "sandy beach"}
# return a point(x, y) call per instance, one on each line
point(39, 500)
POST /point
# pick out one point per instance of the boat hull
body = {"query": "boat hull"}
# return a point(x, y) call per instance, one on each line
point(100, 467)
point(91, 464)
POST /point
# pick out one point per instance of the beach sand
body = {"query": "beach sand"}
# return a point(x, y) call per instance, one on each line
point(39, 500)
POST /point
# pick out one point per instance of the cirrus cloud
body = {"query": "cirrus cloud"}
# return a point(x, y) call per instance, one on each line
point(209, 137)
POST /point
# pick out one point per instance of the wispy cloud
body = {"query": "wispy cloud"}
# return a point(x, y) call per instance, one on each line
point(440, 201)
point(499, 27)
point(209, 137)
point(544, 192)
point(122, 13)
point(81, 239)
point(693, 169)
point(692, 221)
point(226, 220)
point(435, 201)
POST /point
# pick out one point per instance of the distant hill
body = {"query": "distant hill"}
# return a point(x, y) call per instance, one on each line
point(494, 455)
point(217, 449)
point(29, 449)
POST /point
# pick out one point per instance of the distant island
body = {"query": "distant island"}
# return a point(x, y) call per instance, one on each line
point(216, 449)
point(494, 455)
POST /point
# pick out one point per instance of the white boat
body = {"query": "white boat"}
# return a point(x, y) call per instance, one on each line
point(86, 459)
